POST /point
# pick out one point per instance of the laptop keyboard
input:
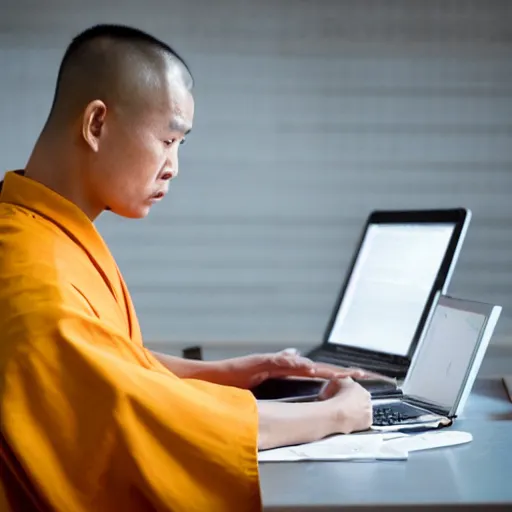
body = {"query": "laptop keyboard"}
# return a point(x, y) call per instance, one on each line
point(391, 414)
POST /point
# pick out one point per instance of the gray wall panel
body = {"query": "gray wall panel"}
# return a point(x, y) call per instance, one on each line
point(309, 115)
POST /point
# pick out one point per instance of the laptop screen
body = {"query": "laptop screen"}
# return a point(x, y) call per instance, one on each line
point(391, 281)
point(445, 355)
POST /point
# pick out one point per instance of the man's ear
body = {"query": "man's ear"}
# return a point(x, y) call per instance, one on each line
point(93, 123)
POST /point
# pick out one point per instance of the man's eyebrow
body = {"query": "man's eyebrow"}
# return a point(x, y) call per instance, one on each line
point(179, 126)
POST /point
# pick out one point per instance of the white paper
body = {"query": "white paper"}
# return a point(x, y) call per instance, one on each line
point(431, 440)
point(341, 447)
point(368, 446)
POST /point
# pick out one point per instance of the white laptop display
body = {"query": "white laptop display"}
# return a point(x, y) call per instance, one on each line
point(445, 364)
point(403, 259)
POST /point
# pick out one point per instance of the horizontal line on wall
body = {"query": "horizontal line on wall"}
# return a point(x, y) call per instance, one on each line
point(294, 32)
point(204, 158)
point(262, 219)
point(312, 264)
point(300, 296)
point(236, 309)
point(355, 166)
point(487, 56)
point(287, 248)
point(229, 289)
point(204, 246)
point(319, 184)
point(373, 129)
point(358, 91)
point(291, 46)
point(309, 288)
point(240, 219)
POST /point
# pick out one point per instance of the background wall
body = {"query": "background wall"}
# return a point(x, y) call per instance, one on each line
point(309, 115)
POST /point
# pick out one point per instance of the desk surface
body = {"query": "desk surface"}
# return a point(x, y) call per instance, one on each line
point(465, 476)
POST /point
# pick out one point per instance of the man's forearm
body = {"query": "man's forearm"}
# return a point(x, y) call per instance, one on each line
point(190, 368)
point(282, 424)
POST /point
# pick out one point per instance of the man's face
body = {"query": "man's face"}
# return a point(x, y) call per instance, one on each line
point(137, 153)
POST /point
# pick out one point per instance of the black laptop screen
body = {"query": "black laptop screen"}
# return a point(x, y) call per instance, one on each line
point(389, 287)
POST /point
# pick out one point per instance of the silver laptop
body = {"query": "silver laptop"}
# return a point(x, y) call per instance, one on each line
point(444, 366)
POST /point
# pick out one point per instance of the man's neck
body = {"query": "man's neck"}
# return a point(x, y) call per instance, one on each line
point(56, 169)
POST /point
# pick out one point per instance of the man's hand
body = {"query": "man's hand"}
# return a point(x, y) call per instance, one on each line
point(345, 408)
point(351, 405)
point(249, 371)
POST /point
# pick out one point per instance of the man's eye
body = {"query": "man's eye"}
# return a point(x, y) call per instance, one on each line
point(170, 142)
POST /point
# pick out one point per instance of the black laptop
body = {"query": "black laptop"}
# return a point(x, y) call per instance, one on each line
point(402, 261)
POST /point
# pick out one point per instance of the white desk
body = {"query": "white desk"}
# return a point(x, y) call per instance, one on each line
point(477, 476)
point(466, 477)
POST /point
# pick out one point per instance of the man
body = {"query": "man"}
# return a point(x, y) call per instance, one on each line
point(90, 419)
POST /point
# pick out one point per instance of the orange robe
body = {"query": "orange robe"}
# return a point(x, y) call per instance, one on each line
point(90, 420)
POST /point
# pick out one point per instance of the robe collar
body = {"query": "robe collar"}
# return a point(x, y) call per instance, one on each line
point(17, 189)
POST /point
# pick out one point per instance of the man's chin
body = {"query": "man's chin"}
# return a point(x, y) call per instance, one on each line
point(140, 213)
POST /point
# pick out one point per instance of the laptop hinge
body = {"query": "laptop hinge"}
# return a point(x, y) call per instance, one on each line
point(424, 404)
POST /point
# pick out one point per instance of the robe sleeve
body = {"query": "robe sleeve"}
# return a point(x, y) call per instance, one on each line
point(97, 430)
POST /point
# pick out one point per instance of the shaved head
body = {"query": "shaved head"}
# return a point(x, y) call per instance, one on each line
point(121, 66)
point(123, 106)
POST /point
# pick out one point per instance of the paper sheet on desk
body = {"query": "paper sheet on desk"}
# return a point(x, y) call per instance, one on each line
point(341, 447)
point(355, 447)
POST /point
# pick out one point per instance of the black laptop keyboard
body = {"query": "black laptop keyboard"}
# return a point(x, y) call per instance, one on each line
point(390, 414)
